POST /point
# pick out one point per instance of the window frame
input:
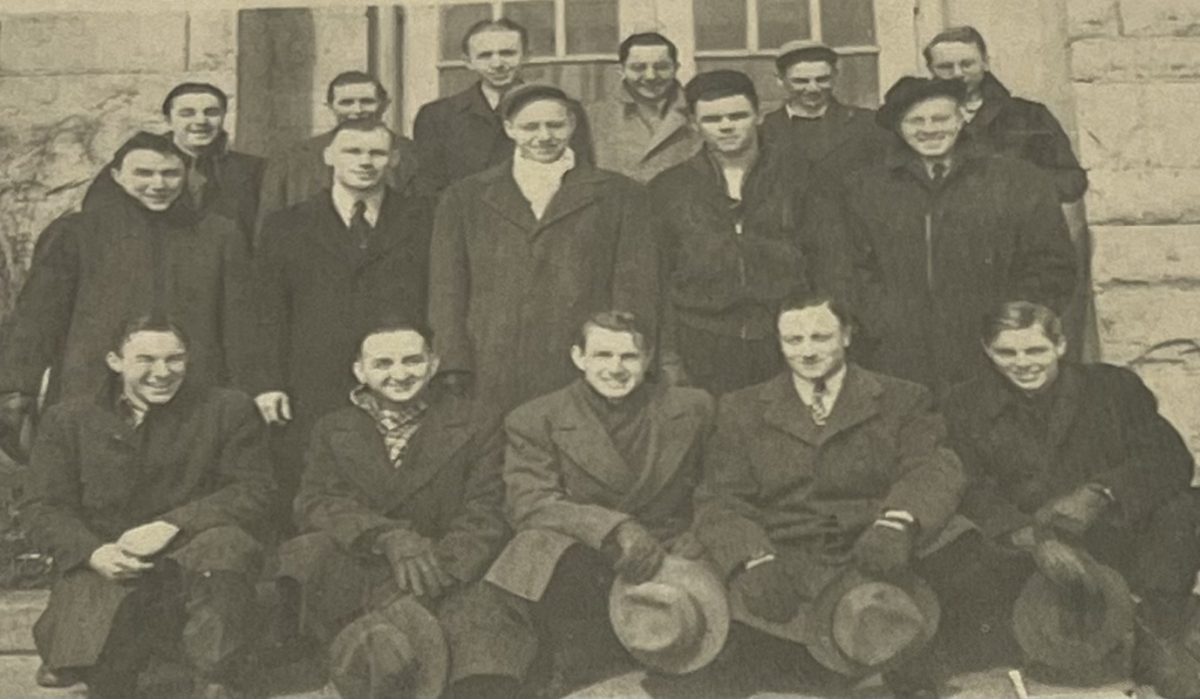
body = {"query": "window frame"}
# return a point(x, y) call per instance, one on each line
point(560, 35)
point(754, 50)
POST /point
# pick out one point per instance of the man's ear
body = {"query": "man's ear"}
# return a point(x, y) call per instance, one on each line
point(434, 362)
point(359, 374)
point(577, 356)
point(327, 154)
point(1060, 347)
point(113, 360)
point(509, 130)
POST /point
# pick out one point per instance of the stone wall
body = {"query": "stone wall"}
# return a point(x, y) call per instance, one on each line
point(1135, 75)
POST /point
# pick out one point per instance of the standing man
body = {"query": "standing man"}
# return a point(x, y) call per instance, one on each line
point(644, 128)
point(328, 269)
point(138, 251)
point(464, 134)
point(944, 230)
point(736, 224)
point(301, 172)
point(524, 252)
point(821, 129)
point(145, 495)
point(219, 179)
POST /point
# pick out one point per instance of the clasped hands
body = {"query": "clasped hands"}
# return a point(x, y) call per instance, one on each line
point(637, 554)
point(415, 565)
point(125, 558)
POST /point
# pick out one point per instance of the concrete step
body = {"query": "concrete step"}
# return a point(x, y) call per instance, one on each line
point(19, 609)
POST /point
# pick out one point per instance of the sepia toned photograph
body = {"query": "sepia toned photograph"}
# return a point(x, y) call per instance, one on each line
point(599, 349)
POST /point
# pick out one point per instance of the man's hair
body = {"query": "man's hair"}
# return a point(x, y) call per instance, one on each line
point(815, 299)
point(395, 325)
point(194, 89)
point(616, 321)
point(1019, 315)
point(365, 125)
point(144, 140)
point(154, 321)
point(502, 24)
point(718, 84)
point(956, 35)
point(355, 77)
point(646, 39)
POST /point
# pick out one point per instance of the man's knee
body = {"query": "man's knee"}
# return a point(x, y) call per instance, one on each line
point(225, 548)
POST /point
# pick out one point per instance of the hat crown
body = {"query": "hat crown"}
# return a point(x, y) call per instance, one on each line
point(874, 622)
point(659, 618)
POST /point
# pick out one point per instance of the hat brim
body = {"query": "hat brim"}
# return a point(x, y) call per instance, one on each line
point(16, 447)
point(701, 582)
point(425, 637)
point(824, 648)
point(1037, 621)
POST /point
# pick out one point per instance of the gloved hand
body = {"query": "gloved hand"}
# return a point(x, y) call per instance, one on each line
point(13, 409)
point(686, 545)
point(414, 565)
point(456, 383)
point(639, 553)
point(881, 551)
point(1075, 512)
point(768, 592)
point(1067, 568)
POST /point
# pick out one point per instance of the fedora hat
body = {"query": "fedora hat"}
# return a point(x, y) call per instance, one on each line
point(397, 650)
point(1038, 622)
point(863, 625)
point(677, 621)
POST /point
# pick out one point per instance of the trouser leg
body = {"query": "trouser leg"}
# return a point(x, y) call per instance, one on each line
point(147, 622)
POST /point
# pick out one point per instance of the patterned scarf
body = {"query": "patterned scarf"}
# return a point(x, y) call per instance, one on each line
point(396, 426)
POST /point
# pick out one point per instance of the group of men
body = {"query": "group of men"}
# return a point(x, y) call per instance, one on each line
point(488, 360)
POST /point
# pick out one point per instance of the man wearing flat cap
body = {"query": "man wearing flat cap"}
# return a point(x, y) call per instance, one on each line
point(813, 121)
point(942, 231)
point(524, 252)
point(739, 224)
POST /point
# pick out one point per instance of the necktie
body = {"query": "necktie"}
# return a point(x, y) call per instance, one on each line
point(820, 402)
point(939, 173)
point(358, 224)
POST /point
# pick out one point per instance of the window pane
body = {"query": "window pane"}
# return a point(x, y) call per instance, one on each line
point(720, 24)
point(537, 16)
point(848, 22)
point(456, 20)
point(781, 21)
point(592, 26)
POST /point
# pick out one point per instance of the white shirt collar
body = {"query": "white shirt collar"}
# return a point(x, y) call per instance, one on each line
point(539, 182)
point(793, 112)
point(344, 200)
point(833, 387)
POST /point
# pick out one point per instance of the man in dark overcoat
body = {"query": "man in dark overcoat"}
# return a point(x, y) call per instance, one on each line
point(942, 231)
point(402, 495)
point(329, 268)
point(299, 172)
point(599, 478)
point(463, 134)
point(1071, 452)
point(219, 179)
point(823, 467)
point(526, 251)
point(145, 495)
point(739, 224)
point(812, 122)
point(141, 249)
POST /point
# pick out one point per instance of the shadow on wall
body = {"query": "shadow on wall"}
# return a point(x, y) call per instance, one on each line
point(277, 53)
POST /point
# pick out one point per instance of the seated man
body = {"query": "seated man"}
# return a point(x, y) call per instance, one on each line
point(145, 498)
point(599, 478)
point(825, 467)
point(1074, 453)
point(401, 494)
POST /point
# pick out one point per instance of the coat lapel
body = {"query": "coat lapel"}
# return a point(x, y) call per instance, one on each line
point(672, 434)
point(390, 229)
point(857, 403)
point(443, 433)
point(505, 198)
point(674, 120)
point(579, 189)
point(581, 436)
point(1066, 405)
point(785, 411)
point(328, 228)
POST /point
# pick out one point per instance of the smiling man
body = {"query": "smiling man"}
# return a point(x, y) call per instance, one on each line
point(941, 232)
point(149, 526)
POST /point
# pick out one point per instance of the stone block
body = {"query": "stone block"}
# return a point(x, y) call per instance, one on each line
point(1173, 375)
point(212, 40)
point(1138, 322)
point(1163, 196)
point(1145, 255)
point(1125, 126)
point(1092, 18)
point(1160, 17)
point(1135, 59)
point(93, 42)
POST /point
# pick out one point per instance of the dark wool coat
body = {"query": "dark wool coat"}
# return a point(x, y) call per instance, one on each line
point(461, 135)
point(508, 293)
point(296, 175)
point(231, 191)
point(930, 260)
point(729, 282)
point(93, 271)
point(1027, 130)
point(199, 462)
point(849, 140)
point(567, 484)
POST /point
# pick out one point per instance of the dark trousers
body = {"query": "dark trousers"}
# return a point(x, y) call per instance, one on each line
point(720, 364)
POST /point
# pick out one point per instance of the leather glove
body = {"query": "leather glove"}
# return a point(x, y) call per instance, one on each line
point(640, 554)
point(881, 551)
point(1075, 512)
point(686, 545)
point(456, 383)
point(1067, 568)
point(414, 565)
point(13, 409)
point(768, 592)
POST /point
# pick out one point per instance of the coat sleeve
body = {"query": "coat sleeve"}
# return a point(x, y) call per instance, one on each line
point(239, 322)
point(930, 479)
point(53, 509)
point(272, 310)
point(1057, 157)
point(475, 537)
point(582, 142)
point(1157, 463)
point(825, 238)
point(1044, 267)
point(636, 270)
point(37, 328)
point(328, 502)
point(667, 240)
point(431, 176)
point(244, 488)
point(728, 520)
point(535, 494)
point(450, 283)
